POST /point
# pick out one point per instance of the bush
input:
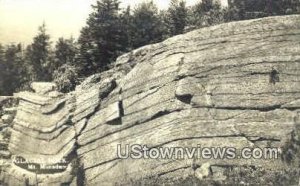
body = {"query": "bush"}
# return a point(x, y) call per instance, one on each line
point(66, 78)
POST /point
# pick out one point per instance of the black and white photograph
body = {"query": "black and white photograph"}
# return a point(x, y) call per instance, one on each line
point(149, 92)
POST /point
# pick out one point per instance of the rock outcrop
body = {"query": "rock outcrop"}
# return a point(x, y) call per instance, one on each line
point(42, 137)
point(7, 114)
point(232, 85)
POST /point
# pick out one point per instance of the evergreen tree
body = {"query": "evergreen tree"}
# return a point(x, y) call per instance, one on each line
point(282, 7)
point(126, 23)
point(249, 9)
point(207, 13)
point(177, 17)
point(147, 27)
point(164, 18)
point(232, 13)
point(65, 51)
point(2, 70)
point(103, 39)
point(85, 60)
point(38, 56)
point(65, 73)
point(15, 69)
point(13, 75)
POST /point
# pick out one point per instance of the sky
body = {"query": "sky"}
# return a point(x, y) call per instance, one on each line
point(20, 19)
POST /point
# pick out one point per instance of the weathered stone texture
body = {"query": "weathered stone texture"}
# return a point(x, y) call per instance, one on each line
point(234, 85)
point(231, 85)
point(41, 134)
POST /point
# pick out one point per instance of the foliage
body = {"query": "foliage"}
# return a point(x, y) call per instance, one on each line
point(177, 17)
point(65, 52)
point(126, 22)
point(85, 60)
point(147, 27)
point(66, 77)
point(13, 74)
point(206, 13)
point(103, 39)
point(2, 70)
point(38, 56)
point(249, 9)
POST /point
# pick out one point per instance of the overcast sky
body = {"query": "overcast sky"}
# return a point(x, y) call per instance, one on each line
point(19, 19)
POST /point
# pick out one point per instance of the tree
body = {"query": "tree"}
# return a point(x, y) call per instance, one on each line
point(177, 17)
point(11, 80)
point(38, 56)
point(66, 77)
point(233, 12)
point(283, 7)
point(103, 39)
point(85, 60)
point(126, 23)
point(65, 52)
point(13, 70)
point(207, 13)
point(65, 73)
point(147, 27)
point(249, 9)
point(2, 70)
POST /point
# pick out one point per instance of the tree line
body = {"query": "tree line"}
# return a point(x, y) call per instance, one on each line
point(111, 31)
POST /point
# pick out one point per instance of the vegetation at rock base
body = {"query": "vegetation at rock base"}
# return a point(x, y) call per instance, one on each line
point(111, 31)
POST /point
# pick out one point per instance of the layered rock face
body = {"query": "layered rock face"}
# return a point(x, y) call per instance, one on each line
point(7, 114)
point(232, 85)
point(42, 139)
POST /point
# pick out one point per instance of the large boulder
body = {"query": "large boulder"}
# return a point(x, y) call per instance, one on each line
point(232, 85)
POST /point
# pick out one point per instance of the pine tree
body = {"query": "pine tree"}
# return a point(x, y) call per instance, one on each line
point(2, 70)
point(232, 13)
point(126, 23)
point(207, 13)
point(147, 26)
point(249, 9)
point(38, 56)
point(177, 17)
point(164, 18)
point(103, 39)
point(14, 65)
point(13, 69)
point(85, 60)
point(284, 7)
point(65, 73)
point(65, 51)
